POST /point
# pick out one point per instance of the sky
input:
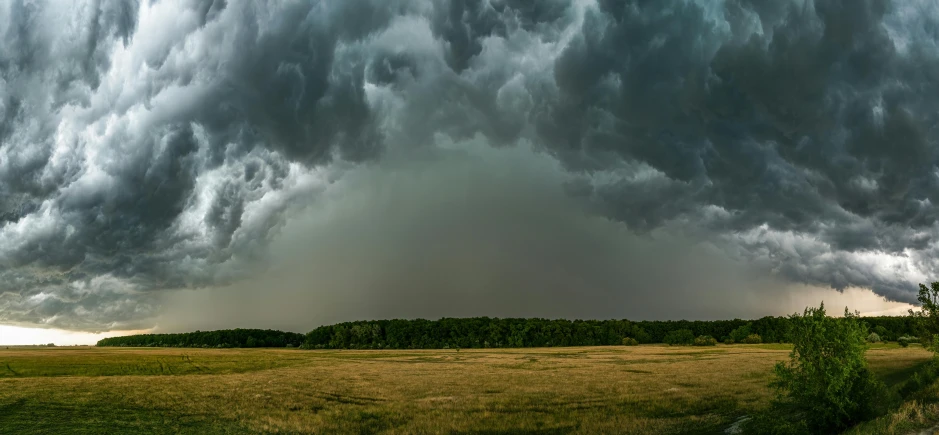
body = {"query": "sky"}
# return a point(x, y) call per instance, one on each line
point(177, 164)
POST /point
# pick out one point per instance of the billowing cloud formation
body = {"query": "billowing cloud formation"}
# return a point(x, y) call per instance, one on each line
point(158, 145)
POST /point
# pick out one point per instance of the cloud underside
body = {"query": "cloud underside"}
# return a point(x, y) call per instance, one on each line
point(568, 155)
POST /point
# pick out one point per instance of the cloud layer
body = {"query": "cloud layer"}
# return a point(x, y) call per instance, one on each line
point(160, 145)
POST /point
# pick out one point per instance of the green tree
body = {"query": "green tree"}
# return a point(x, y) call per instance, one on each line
point(740, 334)
point(927, 319)
point(826, 381)
point(679, 337)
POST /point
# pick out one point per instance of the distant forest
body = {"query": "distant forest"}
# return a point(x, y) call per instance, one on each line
point(221, 338)
point(485, 332)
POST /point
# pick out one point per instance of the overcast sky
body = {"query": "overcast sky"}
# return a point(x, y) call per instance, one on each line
point(224, 163)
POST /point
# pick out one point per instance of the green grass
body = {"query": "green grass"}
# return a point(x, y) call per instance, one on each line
point(635, 390)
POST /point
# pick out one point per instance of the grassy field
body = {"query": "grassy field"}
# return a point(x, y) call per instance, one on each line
point(636, 390)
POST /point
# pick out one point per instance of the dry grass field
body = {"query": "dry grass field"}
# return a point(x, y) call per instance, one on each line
point(609, 390)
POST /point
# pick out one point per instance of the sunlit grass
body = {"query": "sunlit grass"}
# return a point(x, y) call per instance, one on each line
point(636, 390)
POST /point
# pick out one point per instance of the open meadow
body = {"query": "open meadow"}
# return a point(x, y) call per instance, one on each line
point(649, 389)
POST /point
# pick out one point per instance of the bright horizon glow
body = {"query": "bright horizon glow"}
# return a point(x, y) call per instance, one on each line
point(864, 301)
point(20, 336)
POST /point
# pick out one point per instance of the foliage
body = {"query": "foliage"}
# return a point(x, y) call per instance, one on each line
point(752, 339)
point(485, 332)
point(679, 337)
point(927, 319)
point(905, 340)
point(884, 333)
point(873, 338)
point(826, 381)
point(740, 334)
point(705, 340)
point(226, 338)
point(629, 341)
point(921, 379)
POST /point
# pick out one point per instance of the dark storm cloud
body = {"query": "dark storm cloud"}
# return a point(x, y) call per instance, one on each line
point(158, 145)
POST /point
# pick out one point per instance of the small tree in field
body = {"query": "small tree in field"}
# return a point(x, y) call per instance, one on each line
point(629, 341)
point(826, 381)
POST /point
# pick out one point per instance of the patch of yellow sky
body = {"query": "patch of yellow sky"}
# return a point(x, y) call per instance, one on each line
point(18, 336)
point(865, 301)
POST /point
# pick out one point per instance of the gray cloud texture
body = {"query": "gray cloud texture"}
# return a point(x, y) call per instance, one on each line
point(162, 145)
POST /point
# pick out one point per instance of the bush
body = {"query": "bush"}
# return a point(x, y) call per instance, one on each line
point(629, 341)
point(705, 340)
point(884, 333)
point(826, 382)
point(873, 338)
point(728, 340)
point(752, 339)
point(905, 340)
point(679, 337)
point(923, 378)
point(740, 334)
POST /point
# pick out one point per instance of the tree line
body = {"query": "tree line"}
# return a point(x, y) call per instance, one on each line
point(218, 339)
point(486, 332)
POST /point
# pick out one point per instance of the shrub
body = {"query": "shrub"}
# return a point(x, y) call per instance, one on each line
point(884, 333)
point(728, 340)
point(679, 337)
point(873, 338)
point(752, 339)
point(705, 340)
point(629, 341)
point(923, 378)
point(905, 340)
point(740, 334)
point(826, 382)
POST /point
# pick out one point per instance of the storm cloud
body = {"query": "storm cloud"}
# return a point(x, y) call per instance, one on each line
point(150, 148)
